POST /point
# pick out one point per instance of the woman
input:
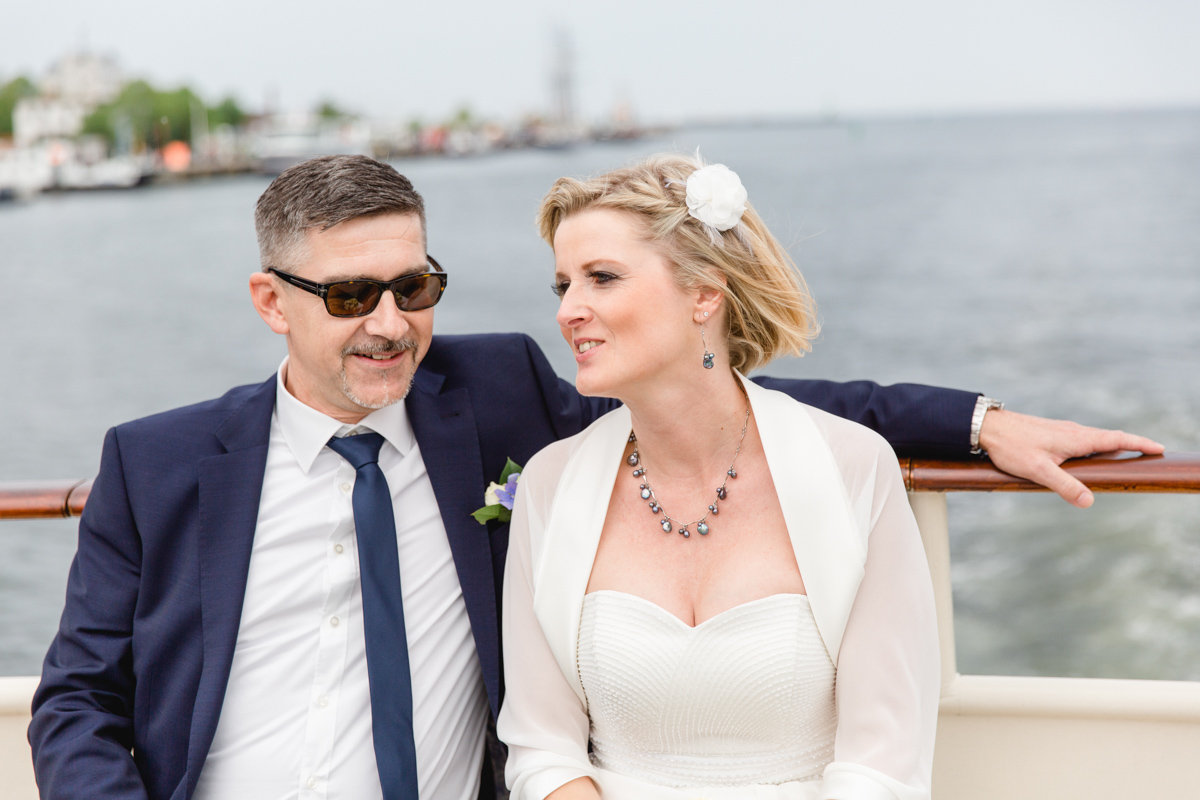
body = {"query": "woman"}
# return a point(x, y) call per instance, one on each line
point(690, 578)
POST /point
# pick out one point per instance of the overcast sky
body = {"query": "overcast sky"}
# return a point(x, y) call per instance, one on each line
point(671, 60)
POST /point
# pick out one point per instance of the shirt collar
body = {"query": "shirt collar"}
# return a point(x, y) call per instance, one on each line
point(307, 430)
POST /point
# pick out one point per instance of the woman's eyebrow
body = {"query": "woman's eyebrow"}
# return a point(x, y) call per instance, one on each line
point(602, 262)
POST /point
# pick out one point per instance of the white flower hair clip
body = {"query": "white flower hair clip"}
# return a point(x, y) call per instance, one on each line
point(716, 197)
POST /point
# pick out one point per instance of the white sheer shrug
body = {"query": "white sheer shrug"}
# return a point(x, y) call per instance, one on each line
point(863, 565)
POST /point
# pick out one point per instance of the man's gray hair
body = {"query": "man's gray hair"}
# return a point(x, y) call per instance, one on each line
point(322, 192)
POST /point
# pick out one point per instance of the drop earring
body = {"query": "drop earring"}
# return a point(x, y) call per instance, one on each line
point(708, 357)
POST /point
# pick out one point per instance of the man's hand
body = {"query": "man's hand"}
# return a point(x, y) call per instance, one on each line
point(1033, 447)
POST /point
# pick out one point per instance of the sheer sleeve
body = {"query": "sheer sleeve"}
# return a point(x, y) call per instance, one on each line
point(542, 720)
point(888, 674)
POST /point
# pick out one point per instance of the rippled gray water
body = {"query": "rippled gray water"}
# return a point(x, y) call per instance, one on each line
point(1053, 262)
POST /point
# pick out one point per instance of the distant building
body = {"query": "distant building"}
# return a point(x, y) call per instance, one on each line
point(74, 86)
point(85, 78)
point(38, 118)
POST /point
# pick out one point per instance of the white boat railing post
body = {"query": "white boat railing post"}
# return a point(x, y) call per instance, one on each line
point(16, 764)
point(930, 510)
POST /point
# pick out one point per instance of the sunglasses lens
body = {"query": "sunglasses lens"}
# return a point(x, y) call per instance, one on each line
point(352, 299)
point(419, 292)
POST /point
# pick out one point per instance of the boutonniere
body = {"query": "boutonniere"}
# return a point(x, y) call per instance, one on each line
point(498, 499)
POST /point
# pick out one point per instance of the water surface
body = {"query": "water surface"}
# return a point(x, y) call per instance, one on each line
point(1051, 261)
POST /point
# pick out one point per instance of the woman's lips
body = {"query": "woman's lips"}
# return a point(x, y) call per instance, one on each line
point(581, 357)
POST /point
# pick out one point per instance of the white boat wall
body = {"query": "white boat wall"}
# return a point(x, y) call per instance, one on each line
point(999, 738)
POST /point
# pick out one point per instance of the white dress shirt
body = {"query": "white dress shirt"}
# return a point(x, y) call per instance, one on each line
point(296, 721)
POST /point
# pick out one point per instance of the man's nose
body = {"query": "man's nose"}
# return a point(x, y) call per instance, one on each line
point(387, 320)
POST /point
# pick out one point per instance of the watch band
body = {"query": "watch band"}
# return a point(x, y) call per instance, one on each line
point(982, 405)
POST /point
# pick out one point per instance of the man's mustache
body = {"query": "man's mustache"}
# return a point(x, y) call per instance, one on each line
point(378, 345)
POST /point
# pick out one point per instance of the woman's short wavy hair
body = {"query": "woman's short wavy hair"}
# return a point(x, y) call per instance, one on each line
point(769, 309)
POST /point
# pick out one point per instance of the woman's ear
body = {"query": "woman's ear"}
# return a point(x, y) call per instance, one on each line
point(708, 303)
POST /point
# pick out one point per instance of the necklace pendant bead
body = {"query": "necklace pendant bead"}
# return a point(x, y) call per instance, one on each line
point(633, 459)
point(713, 509)
point(702, 529)
point(721, 493)
point(684, 533)
point(645, 493)
point(666, 525)
point(639, 472)
point(655, 508)
point(632, 438)
point(732, 473)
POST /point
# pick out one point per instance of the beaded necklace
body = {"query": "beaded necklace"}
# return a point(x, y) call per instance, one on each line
point(647, 493)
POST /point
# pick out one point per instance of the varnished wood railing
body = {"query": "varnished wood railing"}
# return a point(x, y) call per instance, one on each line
point(1109, 472)
point(43, 499)
point(1123, 472)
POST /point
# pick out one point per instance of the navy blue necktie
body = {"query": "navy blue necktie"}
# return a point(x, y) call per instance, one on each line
point(383, 618)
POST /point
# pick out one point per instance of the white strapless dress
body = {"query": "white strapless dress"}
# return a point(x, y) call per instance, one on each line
point(740, 706)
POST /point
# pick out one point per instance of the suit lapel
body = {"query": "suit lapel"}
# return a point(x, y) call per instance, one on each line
point(230, 489)
point(444, 425)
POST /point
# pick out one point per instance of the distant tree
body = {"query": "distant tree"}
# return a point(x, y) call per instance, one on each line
point(227, 112)
point(10, 93)
point(462, 118)
point(152, 117)
point(328, 110)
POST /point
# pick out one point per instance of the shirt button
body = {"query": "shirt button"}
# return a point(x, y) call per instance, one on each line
point(333, 621)
point(337, 548)
point(322, 701)
point(346, 487)
point(311, 783)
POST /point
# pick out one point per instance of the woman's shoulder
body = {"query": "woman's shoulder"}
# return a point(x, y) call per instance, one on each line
point(848, 439)
point(861, 454)
point(864, 458)
point(845, 437)
point(545, 469)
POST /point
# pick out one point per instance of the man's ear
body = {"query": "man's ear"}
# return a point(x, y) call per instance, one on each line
point(265, 294)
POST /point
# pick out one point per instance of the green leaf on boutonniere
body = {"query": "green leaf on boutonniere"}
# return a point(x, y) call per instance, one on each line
point(499, 498)
point(498, 512)
point(509, 469)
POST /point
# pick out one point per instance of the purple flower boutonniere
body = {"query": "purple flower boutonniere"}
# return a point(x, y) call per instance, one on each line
point(499, 497)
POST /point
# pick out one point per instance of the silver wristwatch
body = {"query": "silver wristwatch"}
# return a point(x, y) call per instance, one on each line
point(982, 406)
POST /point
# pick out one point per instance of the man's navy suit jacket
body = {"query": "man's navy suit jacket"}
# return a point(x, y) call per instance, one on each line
point(133, 683)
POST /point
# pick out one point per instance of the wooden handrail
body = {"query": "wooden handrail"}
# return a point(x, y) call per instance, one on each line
point(1121, 472)
point(43, 499)
point(1108, 472)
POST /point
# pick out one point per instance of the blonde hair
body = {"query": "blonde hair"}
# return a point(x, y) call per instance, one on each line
point(770, 311)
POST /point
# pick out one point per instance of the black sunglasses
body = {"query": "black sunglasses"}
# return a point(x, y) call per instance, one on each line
point(358, 298)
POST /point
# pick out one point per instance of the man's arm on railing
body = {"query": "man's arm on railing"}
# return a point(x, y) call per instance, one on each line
point(82, 728)
point(936, 423)
point(1035, 448)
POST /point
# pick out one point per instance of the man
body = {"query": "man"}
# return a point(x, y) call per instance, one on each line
point(281, 592)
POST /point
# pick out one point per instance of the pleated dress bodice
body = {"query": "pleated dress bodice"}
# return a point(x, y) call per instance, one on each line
point(744, 698)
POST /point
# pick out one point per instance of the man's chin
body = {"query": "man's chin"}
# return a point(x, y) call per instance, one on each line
point(379, 391)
